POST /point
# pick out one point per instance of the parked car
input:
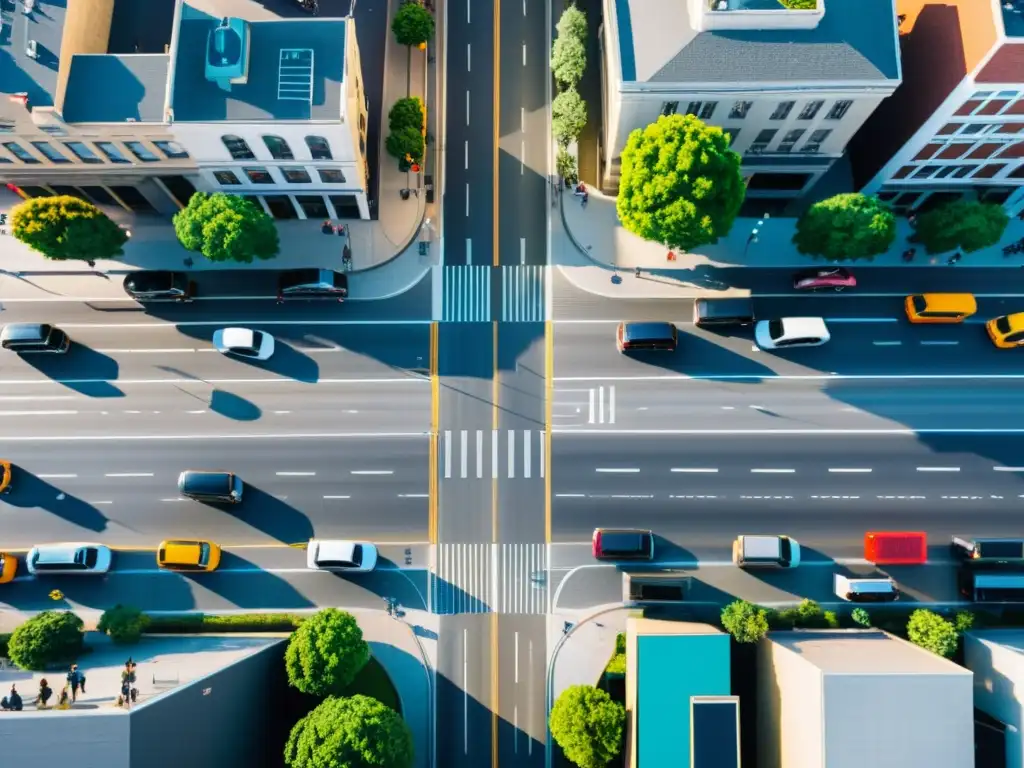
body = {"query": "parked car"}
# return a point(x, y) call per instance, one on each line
point(244, 342)
point(312, 284)
point(765, 552)
point(5, 476)
point(824, 278)
point(622, 544)
point(791, 332)
point(341, 555)
point(159, 285)
point(8, 567)
point(896, 547)
point(25, 338)
point(188, 555)
point(69, 558)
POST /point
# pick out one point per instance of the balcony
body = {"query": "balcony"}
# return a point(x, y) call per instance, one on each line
point(760, 14)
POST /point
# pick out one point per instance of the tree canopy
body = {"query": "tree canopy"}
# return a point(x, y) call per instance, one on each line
point(746, 622)
point(413, 24)
point(325, 653)
point(846, 227)
point(568, 117)
point(681, 184)
point(226, 228)
point(966, 225)
point(65, 227)
point(46, 638)
point(569, 50)
point(351, 732)
point(932, 632)
point(588, 725)
point(124, 624)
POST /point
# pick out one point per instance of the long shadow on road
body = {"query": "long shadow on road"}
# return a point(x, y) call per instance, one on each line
point(82, 369)
point(34, 492)
point(271, 515)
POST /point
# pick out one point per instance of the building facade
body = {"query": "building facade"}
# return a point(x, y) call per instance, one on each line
point(790, 87)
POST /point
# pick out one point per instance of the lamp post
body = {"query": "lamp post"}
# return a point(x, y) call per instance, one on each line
point(752, 237)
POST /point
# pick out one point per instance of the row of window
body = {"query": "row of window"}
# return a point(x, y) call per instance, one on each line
point(171, 150)
point(992, 103)
point(971, 150)
point(936, 172)
point(292, 175)
point(705, 110)
point(239, 148)
point(788, 141)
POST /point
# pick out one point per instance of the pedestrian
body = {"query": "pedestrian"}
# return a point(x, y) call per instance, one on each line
point(45, 692)
point(188, 262)
point(636, 272)
point(585, 199)
point(90, 262)
point(64, 702)
point(76, 680)
point(326, 228)
point(955, 258)
point(12, 702)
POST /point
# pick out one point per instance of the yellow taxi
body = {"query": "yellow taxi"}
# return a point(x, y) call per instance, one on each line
point(5, 476)
point(8, 567)
point(940, 307)
point(1007, 331)
point(188, 555)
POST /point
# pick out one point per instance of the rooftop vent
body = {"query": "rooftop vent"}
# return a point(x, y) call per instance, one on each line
point(227, 53)
point(295, 75)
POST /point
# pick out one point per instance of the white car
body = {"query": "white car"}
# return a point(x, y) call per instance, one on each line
point(341, 555)
point(244, 342)
point(791, 332)
point(73, 557)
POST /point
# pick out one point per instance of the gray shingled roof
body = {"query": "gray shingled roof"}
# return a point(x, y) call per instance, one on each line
point(195, 99)
point(111, 88)
point(855, 41)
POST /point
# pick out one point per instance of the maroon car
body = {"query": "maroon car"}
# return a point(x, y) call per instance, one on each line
point(824, 278)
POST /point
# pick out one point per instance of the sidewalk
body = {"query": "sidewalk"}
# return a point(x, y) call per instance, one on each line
point(594, 245)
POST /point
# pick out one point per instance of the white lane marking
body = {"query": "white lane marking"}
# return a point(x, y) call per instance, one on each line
point(511, 454)
point(337, 497)
point(694, 470)
point(469, 58)
point(851, 470)
point(220, 323)
point(254, 436)
point(467, 107)
point(938, 469)
point(38, 413)
point(468, 4)
point(295, 474)
point(522, 119)
point(527, 455)
point(414, 495)
point(798, 377)
point(129, 474)
point(524, 54)
point(55, 477)
point(175, 499)
point(99, 502)
point(617, 470)
point(1008, 469)
point(195, 412)
point(467, 198)
point(611, 405)
point(571, 495)
point(204, 382)
point(448, 453)
point(467, 154)
point(887, 343)
point(772, 471)
point(543, 441)
point(494, 454)
point(469, 251)
point(35, 397)
point(479, 454)
point(463, 454)
point(517, 658)
point(280, 413)
point(522, 164)
point(522, 250)
point(861, 320)
point(939, 343)
point(373, 472)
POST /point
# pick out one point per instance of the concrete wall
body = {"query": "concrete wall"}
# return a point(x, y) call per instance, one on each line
point(790, 710)
point(94, 738)
point(998, 677)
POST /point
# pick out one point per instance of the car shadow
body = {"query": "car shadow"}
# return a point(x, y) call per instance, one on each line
point(32, 491)
point(82, 369)
point(707, 355)
point(152, 591)
point(244, 585)
point(287, 360)
point(233, 406)
point(271, 515)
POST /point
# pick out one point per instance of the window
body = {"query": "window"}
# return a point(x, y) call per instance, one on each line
point(110, 149)
point(983, 151)
point(226, 178)
point(790, 140)
point(20, 152)
point(702, 109)
point(172, 149)
point(963, 170)
point(279, 149)
point(51, 154)
point(968, 107)
point(319, 149)
point(7, 128)
point(53, 130)
point(927, 152)
point(739, 109)
point(313, 206)
point(296, 175)
point(925, 171)
point(944, 171)
point(782, 110)
point(331, 175)
point(989, 171)
point(669, 108)
point(972, 128)
point(259, 175)
point(810, 110)
point(839, 110)
point(764, 138)
point(141, 151)
point(817, 139)
point(953, 151)
point(82, 151)
point(238, 148)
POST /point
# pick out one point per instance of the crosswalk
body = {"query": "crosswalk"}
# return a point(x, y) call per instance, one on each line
point(492, 453)
point(490, 578)
point(467, 293)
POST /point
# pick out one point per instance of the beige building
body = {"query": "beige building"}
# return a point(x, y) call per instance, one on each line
point(858, 698)
point(996, 657)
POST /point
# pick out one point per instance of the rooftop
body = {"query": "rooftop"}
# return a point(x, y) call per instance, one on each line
point(855, 41)
point(863, 652)
point(131, 87)
point(20, 72)
point(279, 85)
point(1013, 17)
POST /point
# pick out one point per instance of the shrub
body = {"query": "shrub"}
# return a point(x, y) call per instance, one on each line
point(963, 224)
point(932, 632)
point(64, 227)
point(617, 666)
point(565, 164)
point(831, 619)
point(5, 638)
point(413, 24)
point(587, 724)
point(846, 227)
point(963, 621)
point(325, 653)
point(747, 623)
point(800, 5)
point(350, 732)
point(406, 112)
point(197, 623)
point(568, 117)
point(46, 638)
point(861, 616)
point(124, 624)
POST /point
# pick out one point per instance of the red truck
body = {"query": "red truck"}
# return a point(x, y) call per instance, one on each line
point(896, 547)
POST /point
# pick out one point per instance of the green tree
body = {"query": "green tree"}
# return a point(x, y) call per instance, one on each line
point(568, 117)
point(350, 732)
point(65, 227)
point(845, 227)
point(569, 51)
point(406, 141)
point(965, 225)
point(565, 164)
point(413, 24)
point(681, 184)
point(406, 112)
point(747, 623)
point(325, 653)
point(588, 725)
point(800, 5)
point(46, 638)
point(861, 616)
point(124, 624)
point(963, 621)
point(226, 228)
point(932, 632)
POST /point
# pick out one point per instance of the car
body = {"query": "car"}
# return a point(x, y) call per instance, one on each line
point(159, 285)
point(1007, 331)
point(5, 476)
point(622, 544)
point(25, 338)
point(8, 567)
point(940, 307)
point(824, 278)
point(80, 558)
point(789, 332)
point(760, 551)
point(213, 486)
point(312, 284)
point(646, 337)
point(244, 342)
point(188, 555)
point(341, 555)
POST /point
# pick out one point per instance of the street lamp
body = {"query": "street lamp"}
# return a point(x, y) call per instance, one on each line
point(752, 237)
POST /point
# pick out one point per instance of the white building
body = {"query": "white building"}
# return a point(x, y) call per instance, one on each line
point(859, 698)
point(791, 87)
point(996, 657)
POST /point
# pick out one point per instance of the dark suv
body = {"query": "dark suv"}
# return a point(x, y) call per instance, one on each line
point(159, 285)
point(312, 284)
point(34, 337)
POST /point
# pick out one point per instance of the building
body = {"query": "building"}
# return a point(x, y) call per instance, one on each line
point(791, 87)
point(855, 698)
point(996, 657)
point(679, 711)
point(954, 127)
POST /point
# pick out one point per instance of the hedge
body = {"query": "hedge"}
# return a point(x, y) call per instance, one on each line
point(242, 622)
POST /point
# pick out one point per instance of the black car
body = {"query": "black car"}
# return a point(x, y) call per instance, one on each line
point(312, 284)
point(159, 285)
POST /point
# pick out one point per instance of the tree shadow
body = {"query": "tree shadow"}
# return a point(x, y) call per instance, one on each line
point(271, 515)
point(81, 369)
point(32, 491)
point(153, 591)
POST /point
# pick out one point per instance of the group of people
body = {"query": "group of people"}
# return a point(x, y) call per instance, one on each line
point(13, 702)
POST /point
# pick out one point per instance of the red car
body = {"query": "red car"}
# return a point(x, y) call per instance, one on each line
point(834, 278)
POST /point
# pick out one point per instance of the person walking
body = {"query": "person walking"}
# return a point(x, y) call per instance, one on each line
point(76, 680)
point(12, 702)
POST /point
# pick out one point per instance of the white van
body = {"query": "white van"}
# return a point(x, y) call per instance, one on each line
point(765, 552)
point(878, 590)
